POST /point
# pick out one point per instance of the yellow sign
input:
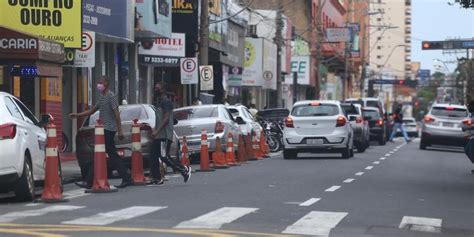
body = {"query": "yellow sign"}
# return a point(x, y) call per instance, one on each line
point(51, 89)
point(215, 7)
point(16, 86)
point(58, 20)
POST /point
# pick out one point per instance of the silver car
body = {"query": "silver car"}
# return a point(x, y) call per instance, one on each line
point(145, 113)
point(410, 126)
point(215, 119)
point(250, 123)
point(443, 126)
point(317, 126)
point(359, 125)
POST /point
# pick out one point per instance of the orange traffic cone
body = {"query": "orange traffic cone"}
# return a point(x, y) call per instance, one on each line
point(204, 161)
point(230, 154)
point(52, 183)
point(138, 176)
point(241, 151)
point(101, 182)
point(218, 157)
point(263, 145)
point(185, 153)
point(249, 149)
point(256, 146)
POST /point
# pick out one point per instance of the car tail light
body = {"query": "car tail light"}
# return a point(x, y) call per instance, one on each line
point(467, 122)
point(7, 131)
point(379, 122)
point(341, 121)
point(449, 108)
point(219, 127)
point(429, 119)
point(359, 120)
point(289, 122)
point(145, 127)
point(315, 103)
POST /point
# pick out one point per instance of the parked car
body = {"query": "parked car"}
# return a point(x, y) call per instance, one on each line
point(376, 124)
point(317, 126)
point(250, 123)
point(145, 113)
point(215, 119)
point(410, 126)
point(443, 126)
point(23, 144)
point(376, 103)
point(359, 125)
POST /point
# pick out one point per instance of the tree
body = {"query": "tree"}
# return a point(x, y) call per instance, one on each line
point(465, 3)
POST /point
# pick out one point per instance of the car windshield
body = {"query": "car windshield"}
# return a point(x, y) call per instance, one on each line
point(372, 113)
point(350, 109)
point(372, 103)
point(354, 102)
point(318, 110)
point(196, 113)
point(234, 112)
point(449, 112)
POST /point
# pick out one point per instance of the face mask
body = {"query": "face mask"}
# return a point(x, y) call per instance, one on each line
point(100, 87)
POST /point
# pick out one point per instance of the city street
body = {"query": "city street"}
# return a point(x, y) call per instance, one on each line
point(392, 190)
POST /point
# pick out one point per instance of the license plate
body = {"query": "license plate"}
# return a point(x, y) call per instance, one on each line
point(316, 142)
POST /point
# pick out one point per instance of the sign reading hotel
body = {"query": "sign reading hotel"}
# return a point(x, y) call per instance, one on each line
point(57, 20)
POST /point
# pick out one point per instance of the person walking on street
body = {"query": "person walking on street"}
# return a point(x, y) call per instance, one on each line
point(398, 119)
point(109, 114)
point(162, 139)
point(469, 148)
point(253, 110)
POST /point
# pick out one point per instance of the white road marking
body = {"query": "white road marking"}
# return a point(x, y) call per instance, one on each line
point(387, 155)
point(32, 204)
point(348, 180)
point(333, 188)
point(316, 223)
point(369, 167)
point(376, 162)
point(359, 173)
point(310, 202)
point(13, 216)
point(391, 152)
point(106, 218)
point(424, 224)
point(75, 193)
point(217, 218)
point(293, 203)
point(383, 158)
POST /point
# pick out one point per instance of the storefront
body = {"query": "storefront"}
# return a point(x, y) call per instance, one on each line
point(30, 69)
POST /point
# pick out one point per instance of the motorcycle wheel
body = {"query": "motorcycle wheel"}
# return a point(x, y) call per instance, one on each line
point(273, 144)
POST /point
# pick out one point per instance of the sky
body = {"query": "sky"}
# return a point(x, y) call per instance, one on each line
point(437, 20)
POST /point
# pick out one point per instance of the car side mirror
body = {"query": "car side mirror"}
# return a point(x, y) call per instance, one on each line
point(352, 118)
point(175, 121)
point(367, 118)
point(240, 121)
point(45, 119)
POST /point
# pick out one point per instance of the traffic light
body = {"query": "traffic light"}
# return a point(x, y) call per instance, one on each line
point(401, 82)
point(429, 45)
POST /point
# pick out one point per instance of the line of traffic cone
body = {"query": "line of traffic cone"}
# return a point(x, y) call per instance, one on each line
point(204, 159)
point(256, 146)
point(249, 147)
point(218, 157)
point(138, 175)
point(241, 151)
point(185, 153)
point(52, 192)
point(264, 145)
point(101, 182)
point(230, 154)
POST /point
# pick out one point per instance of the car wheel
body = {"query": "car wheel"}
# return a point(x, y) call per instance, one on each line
point(25, 188)
point(289, 154)
point(362, 147)
point(382, 140)
point(346, 153)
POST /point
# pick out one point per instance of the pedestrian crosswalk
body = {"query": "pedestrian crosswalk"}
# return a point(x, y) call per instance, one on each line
point(316, 223)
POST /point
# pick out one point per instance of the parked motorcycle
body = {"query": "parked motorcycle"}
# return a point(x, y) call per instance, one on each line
point(273, 135)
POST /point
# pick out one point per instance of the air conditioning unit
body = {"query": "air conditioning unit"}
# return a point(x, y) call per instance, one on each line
point(252, 31)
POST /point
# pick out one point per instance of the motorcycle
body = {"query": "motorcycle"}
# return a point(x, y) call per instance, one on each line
point(273, 135)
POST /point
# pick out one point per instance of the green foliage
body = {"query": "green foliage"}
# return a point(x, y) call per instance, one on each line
point(465, 3)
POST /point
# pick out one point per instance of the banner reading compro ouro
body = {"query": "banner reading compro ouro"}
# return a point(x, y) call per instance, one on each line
point(58, 20)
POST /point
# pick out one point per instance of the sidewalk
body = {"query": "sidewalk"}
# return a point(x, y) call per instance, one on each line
point(70, 168)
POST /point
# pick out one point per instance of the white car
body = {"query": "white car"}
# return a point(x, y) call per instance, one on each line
point(250, 123)
point(317, 126)
point(23, 144)
point(411, 127)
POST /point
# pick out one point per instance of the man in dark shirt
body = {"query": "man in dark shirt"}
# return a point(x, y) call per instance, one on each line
point(398, 119)
point(109, 114)
point(163, 137)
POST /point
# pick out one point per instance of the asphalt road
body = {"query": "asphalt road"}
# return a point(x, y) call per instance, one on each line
point(392, 190)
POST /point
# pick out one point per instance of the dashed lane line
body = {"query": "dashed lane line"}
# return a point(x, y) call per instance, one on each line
point(359, 173)
point(309, 202)
point(333, 188)
point(369, 167)
point(348, 180)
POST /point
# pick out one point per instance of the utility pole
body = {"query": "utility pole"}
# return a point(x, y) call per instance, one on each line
point(204, 37)
point(318, 48)
point(347, 76)
point(279, 43)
